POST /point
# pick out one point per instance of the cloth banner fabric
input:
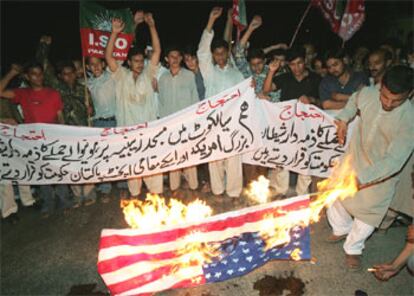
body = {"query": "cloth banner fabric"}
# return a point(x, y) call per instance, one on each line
point(214, 129)
point(141, 262)
point(298, 137)
point(96, 27)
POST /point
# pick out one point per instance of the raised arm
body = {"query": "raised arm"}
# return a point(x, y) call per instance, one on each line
point(138, 19)
point(117, 26)
point(254, 24)
point(240, 53)
point(268, 85)
point(228, 29)
point(214, 15)
point(8, 93)
point(268, 49)
point(43, 50)
point(42, 56)
point(203, 52)
point(155, 40)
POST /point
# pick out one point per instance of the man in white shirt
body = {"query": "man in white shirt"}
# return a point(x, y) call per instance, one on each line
point(134, 91)
point(102, 89)
point(381, 143)
point(177, 90)
point(219, 74)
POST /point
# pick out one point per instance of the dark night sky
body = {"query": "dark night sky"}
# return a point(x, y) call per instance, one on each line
point(22, 24)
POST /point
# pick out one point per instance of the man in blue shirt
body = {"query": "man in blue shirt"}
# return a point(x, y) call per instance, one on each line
point(336, 88)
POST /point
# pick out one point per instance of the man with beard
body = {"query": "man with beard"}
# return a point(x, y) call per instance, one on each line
point(336, 88)
point(378, 62)
point(381, 143)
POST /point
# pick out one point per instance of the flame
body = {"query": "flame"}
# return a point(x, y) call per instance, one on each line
point(155, 212)
point(196, 252)
point(258, 191)
point(275, 228)
point(295, 255)
point(341, 184)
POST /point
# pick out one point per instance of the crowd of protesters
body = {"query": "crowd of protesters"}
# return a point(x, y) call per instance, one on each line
point(375, 84)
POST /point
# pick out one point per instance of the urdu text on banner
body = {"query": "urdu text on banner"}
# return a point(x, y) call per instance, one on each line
point(290, 134)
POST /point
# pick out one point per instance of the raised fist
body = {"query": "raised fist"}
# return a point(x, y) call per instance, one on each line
point(256, 22)
point(139, 17)
point(149, 19)
point(274, 66)
point(117, 25)
point(16, 69)
point(216, 12)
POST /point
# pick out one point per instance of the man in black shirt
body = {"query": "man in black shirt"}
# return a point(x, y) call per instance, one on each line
point(300, 83)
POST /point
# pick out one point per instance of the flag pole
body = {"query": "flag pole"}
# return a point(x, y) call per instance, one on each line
point(87, 100)
point(300, 24)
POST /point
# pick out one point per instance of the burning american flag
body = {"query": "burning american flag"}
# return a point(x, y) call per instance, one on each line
point(221, 247)
point(172, 245)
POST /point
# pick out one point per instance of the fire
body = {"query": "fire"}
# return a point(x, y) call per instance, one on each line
point(196, 252)
point(341, 184)
point(258, 190)
point(276, 228)
point(295, 255)
point(155, 212)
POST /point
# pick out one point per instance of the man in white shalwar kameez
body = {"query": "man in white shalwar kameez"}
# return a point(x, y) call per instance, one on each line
point(177, 90)
point(220, 74)
point(380, 145)
point(135, 94)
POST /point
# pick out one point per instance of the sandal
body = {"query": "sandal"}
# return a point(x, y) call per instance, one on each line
point(353, 262)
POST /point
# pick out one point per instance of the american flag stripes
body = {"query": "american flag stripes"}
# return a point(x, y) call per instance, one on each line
point(137, 262)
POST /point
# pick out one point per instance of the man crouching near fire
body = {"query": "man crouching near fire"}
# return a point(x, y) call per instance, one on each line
point(380, 145)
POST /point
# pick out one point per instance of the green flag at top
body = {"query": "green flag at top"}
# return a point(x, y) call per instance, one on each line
point(96, 26)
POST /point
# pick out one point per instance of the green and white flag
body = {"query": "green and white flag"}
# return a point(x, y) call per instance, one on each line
point(239, 14)
point(96, 26)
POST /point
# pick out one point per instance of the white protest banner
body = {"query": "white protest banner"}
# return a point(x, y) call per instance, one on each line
point(298, 137)
point(216, 128)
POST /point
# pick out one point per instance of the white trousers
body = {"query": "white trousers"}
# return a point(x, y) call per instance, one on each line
point(154, 184)
point(356, 230)
point(8, 204)
point(279, 180)
point(190, 174)
point(226, 175)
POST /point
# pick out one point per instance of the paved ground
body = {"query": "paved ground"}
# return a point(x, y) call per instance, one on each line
point(57, 256)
